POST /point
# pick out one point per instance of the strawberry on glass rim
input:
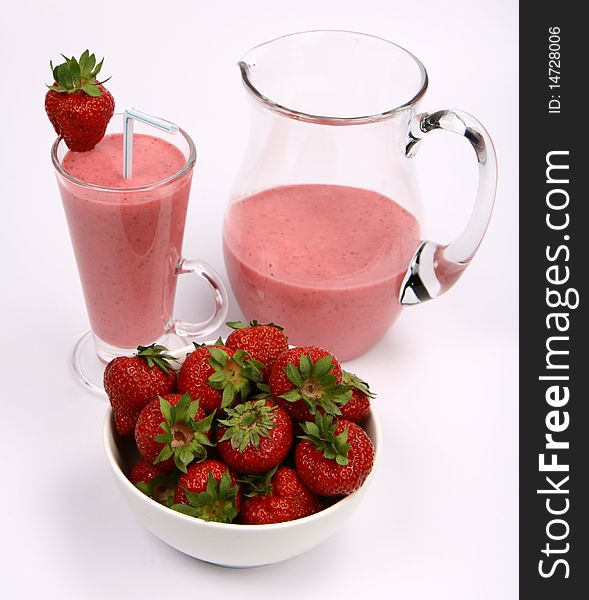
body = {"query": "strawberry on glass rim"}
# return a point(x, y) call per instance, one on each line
point(77, 104)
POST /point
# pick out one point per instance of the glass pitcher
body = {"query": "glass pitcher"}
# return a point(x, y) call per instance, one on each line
point(322, 232)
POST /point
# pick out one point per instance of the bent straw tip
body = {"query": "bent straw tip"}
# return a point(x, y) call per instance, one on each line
point(130, 115)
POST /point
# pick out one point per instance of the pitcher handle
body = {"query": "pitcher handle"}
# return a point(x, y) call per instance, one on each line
point(435, 268)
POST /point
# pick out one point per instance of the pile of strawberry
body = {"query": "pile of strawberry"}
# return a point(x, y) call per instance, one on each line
point(248, 431)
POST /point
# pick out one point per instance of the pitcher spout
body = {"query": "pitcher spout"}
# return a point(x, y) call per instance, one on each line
point(245, 68)
point(309, 76)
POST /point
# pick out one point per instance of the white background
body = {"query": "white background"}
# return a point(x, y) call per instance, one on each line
point(440, 520)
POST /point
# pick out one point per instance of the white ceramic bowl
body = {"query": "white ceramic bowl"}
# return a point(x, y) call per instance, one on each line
point(230, 545)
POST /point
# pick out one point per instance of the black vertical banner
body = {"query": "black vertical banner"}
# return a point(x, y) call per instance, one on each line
point(554, 337)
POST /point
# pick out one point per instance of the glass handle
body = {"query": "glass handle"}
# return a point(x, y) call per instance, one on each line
point(435, 268)
point(206, 272)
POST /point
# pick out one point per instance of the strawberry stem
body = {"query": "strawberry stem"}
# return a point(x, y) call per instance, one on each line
point(254, 323)
point(321, 434)
point(217, 503)
point(315, 383)
point(156, 356)
point(247, 423)
point(75, 75)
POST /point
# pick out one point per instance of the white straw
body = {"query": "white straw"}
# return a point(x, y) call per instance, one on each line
point(129, 116)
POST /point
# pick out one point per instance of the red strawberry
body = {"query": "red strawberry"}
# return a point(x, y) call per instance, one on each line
point(278, 496)
point(264, 342)
point(130, 382)
point(333, 459)
point(143, 472)
point(306, 380)
point(155, 484)
point(254, 437)
point(218, 376)
point(359, 405)
point(173, 430)
point(208, 491)
point(78, 106)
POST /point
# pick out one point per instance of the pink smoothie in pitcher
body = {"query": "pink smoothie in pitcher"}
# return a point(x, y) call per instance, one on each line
point(127, 243)
point(324, 261)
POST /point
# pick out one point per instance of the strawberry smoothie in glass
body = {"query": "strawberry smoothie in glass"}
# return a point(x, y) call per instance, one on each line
point(127, 239)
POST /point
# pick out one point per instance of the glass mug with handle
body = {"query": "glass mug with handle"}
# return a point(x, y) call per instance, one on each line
point(322, 232)
point(127, 239)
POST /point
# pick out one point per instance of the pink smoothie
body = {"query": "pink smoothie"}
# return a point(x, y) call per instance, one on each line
point(324, 261)
point(127, 242)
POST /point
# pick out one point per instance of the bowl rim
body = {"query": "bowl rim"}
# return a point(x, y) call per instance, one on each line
point(108, 433)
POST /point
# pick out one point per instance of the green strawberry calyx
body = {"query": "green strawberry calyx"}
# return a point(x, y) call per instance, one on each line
point(263, 392)
point(233, 374)
point(316, 385)
point(77, 75)
point(254, 323)
point(156, 356)
point(161, 488)
point(216, 503)
point(184, 438)
point(219, 342)
point(321, 434)
point(354, 381)
point(247, 423)
point(258, 485)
